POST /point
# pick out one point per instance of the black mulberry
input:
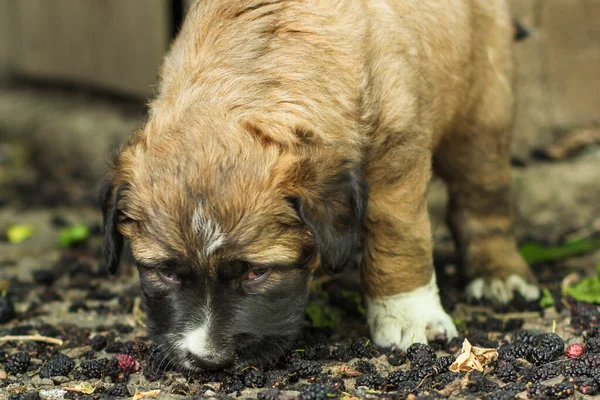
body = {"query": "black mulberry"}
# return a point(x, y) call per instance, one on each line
point(254, 378)
point(371, 381)
point(17, 363)
point(231, 384)
point(96, 369)
point(563, 390)
point(398, 377)
point(506, 371)
point(396, 358)
point(59, 365)
point(593, 345)
point(317, 391)
point(510, 352)
point(362, 347)
point(365, 367)
point(118, 390)
point(547, 347)
point(524, 336)
point(98, 342)
point(538, 374)
point(420, 355)
point(305, 368)
point(443, 364)
point(418, 374)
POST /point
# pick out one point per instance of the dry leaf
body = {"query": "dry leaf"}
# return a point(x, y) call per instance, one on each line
point(571, 279)
point(84, 388)
point(345, 370)
point(141, 395)
point(2, 374)
point(473, 358)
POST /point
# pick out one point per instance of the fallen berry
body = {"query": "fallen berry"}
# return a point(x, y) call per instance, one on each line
point(371, 381)
point(17, 363)
point(118, 390)
point(592, 345)
point(253, 378)
point(547, 347)
point(317, 391)
point(420, 355)
point(95, 369)
point(128, 363)
point(58, 365)
point(575, 350)
point(98, 342)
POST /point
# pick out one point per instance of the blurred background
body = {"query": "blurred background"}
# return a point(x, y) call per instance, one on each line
point(75, 77)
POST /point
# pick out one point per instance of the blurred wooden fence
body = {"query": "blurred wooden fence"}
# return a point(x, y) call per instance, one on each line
point(116, 45)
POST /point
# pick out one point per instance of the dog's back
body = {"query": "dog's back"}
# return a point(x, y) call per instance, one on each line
point(400, 63)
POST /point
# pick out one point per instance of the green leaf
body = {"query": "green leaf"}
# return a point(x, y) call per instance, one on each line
point(586, 290)
point(547, 300)
point(533, 253)
point(19, 233)
point(73, 234)
point(323, 316)
point(459, 323)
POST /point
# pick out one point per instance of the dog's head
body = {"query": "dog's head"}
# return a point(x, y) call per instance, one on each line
point(226, 229)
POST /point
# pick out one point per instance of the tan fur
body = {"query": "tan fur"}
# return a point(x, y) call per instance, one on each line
point(281, 91)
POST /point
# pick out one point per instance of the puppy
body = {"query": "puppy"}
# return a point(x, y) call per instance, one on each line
point(288, 135)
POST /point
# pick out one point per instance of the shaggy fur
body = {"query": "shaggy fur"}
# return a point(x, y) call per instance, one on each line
point(288, 134)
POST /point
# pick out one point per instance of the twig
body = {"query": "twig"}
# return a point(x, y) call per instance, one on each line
point(31, 338)
point(423, 380)
point(138, 314)
point(524, 315)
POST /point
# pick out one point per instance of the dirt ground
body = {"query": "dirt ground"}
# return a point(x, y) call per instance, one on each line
point(65, 294)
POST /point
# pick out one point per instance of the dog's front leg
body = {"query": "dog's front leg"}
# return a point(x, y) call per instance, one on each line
point(403, 304)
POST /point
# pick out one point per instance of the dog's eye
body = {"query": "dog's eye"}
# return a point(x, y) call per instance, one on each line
point(169, 276)
point(256, 274)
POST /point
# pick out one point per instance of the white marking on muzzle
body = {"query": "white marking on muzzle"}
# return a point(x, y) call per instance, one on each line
point(197, 341)
point(208, 230)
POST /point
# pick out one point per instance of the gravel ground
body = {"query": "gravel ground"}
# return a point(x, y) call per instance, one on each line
point(65, 294)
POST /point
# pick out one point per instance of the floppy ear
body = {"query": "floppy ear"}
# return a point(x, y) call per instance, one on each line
point(334, 208)
point(113, 240)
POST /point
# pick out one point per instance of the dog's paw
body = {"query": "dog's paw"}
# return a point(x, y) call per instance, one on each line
point(413, 317)
point(502, 290)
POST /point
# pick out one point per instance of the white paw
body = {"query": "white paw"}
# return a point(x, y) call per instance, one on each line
point(501, 290)
point(407, 318)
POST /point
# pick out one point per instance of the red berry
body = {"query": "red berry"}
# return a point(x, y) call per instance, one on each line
point(575, 350)
point(127, 363)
